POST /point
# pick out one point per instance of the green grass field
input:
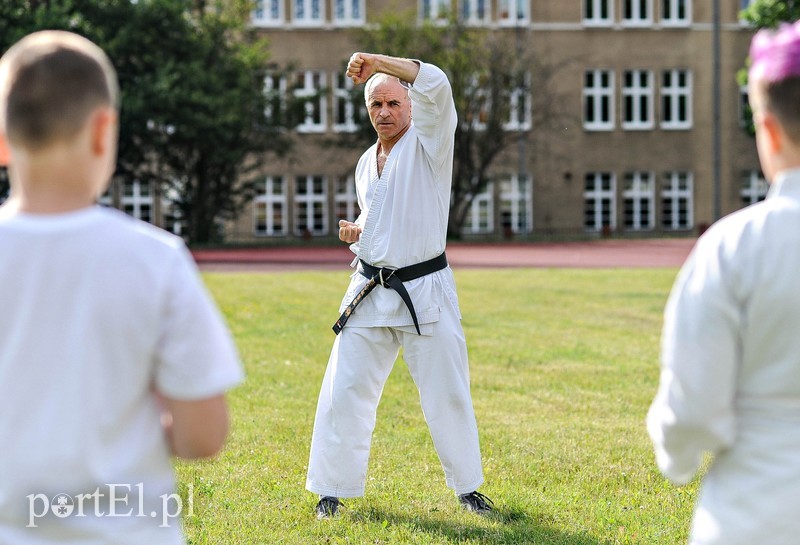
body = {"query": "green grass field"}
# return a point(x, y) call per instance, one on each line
point(564, 364)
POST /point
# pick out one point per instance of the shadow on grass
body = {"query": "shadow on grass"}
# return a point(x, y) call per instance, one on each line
point(504, 526)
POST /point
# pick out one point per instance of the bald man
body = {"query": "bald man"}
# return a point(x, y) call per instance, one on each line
point(402, 294)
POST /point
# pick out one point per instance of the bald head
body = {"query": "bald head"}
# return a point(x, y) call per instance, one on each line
point(379, 79)
point(50, 83)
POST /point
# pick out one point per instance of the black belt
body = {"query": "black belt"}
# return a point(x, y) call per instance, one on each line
point(391, 279)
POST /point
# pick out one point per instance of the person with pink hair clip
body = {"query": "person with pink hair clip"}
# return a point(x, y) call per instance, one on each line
point(730, 354)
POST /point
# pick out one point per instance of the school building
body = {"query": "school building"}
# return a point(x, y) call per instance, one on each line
point(650, 140)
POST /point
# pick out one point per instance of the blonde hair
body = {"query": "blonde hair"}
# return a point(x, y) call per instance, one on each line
point(50, 82)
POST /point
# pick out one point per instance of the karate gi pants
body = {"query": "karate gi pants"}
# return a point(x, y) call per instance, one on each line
point(360, 363)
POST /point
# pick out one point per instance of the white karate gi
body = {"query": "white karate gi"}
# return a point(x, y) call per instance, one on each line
point(730, 382)
point(404, 219)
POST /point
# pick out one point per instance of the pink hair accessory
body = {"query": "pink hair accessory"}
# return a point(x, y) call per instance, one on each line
point(775, 54)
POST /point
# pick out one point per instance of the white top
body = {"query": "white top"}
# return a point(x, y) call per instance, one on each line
point(404, 211)
point(730, 381)
point(96, 308)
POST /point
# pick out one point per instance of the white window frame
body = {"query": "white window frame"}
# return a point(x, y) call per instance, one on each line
point(262, 7)
point(520, 93)
point(678, 198)
point(599, 95)
point(137, 199)
point(669, 13)
point(275, 83)
point(307, 19)
point(596, 197)
point(594, 18)
point(470, 13)
point(743, 5)
point(512, 12)
point(639, 187)
point(635, 17)
point(480, 218)
point(438, 10)
point(306, 204)
point(345, 16)
point(343, 98)
point(171, 214)
point(754, 187)
point(641, 117)
point(516, 197)
point(674, 93)
point(345, 196)
point(269, 200)
point(306, 91)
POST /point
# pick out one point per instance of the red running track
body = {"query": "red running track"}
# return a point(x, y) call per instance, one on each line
point(646, 253)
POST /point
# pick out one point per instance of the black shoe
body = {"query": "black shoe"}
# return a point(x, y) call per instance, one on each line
point(327, 507)
point(476, 502)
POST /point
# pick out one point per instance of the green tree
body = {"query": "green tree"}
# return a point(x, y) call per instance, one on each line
point(192, 78)
point(490, 73)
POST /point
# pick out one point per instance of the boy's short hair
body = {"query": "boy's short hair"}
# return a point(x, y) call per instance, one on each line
point(50, 82)
point(775, 69)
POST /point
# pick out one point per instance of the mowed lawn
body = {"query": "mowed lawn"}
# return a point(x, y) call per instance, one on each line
point(564, 364)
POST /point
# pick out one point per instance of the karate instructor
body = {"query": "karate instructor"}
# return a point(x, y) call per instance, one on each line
point(402, 293)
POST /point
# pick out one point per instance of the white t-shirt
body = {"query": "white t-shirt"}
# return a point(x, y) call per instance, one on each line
point(97, 309)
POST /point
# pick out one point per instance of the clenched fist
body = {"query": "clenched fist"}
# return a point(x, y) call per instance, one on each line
point(349, 231)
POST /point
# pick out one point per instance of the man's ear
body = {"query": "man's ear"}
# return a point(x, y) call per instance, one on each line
point(5, 153)
point(103, 130)
point(774, 136)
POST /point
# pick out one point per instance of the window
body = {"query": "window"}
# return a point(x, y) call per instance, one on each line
point(308, 12)
point(309, 90)
point(676, 12)
point(480, 218)
point(598, 104)
point(512, 12)
point(638, 201)
point(745, 110)
point(275, 89)
point(519, 114)
point(348, 105)
point(310, 206)
point(269, 207)
point(597, 12)
point(637, 100)
point(171, 212)
point(676, 99)
point(268, 13)
point(346, 199)
point(434, 10)
point(516, 203)
point(348, 12)
point(476, 12)
point(754, 187)
point(637, 12)
point(599, 209)
point(137, 200)
point(677, 201)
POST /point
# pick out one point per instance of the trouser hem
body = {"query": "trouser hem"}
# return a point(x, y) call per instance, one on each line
point(334, 491)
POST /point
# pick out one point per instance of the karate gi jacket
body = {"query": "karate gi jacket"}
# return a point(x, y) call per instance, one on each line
point(730, 380)
point(404, 211)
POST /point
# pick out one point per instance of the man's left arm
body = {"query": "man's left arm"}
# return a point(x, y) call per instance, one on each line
point(434, 113)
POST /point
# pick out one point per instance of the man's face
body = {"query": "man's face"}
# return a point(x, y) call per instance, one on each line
point(389, 109)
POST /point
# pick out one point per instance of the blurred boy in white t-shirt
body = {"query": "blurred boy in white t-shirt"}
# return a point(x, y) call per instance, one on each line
point(112, 354)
